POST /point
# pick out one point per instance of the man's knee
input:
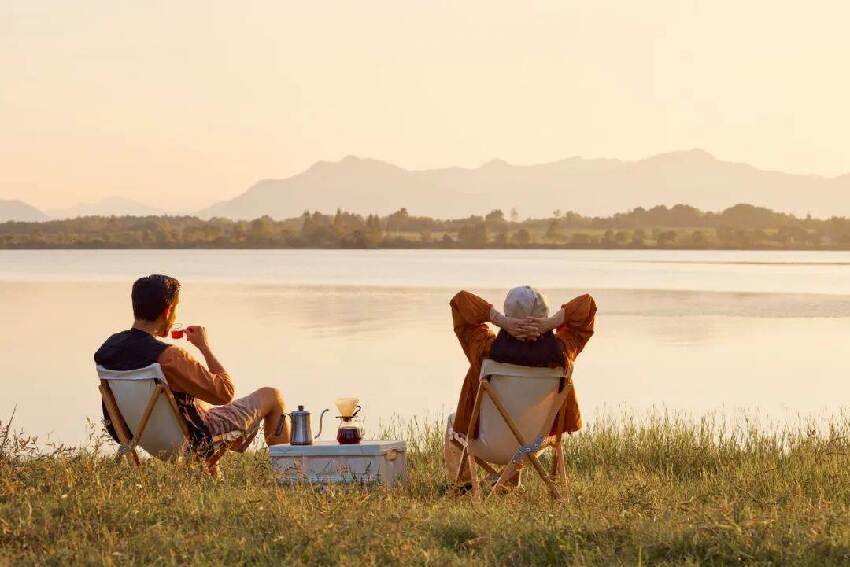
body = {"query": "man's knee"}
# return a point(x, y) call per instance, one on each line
point(272, 397)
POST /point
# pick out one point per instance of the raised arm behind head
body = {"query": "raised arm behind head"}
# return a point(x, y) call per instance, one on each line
point(573, 323)
point(471, 313)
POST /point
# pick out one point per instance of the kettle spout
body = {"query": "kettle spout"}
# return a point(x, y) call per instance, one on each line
point(321, 418)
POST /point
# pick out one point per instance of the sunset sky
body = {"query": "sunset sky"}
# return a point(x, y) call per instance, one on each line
point(179, 104)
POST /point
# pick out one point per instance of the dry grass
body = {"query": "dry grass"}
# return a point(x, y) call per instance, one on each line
point(655, 490)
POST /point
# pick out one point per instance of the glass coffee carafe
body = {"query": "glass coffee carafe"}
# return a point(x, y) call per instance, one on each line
point(349, 432)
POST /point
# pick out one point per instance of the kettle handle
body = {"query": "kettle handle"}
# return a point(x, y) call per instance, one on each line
point(321, 418)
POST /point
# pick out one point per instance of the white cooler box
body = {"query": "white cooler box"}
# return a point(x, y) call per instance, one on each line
point(374, 462)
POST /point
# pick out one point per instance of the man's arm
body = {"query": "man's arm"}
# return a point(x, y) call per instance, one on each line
point(211, 383)
point(470, 315)
point(198, 337)
point(573, 324)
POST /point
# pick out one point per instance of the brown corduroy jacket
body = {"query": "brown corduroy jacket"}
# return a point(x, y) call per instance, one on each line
point(470, 315)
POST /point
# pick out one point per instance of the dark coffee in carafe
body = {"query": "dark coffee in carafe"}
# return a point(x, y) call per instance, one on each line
point(348, 435)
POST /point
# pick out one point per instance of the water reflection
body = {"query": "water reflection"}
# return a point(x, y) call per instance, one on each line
point(394, 349)
point(706, 270)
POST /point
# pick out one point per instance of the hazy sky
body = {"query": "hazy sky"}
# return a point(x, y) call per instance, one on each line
point(178, 104)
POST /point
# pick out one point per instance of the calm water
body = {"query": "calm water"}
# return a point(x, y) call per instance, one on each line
point(691, 331)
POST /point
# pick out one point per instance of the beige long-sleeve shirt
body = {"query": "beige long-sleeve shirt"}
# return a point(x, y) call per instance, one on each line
point(185, 374)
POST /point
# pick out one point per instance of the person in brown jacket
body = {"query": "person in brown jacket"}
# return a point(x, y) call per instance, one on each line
point(528, 336)
point(204, 393)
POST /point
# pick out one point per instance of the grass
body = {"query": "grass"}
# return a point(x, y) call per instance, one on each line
point(656, 490)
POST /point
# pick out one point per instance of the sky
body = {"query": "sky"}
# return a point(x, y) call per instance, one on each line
point(180, 104)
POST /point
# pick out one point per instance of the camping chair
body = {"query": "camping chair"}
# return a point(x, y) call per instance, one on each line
point(513, 413)
point(141, 399)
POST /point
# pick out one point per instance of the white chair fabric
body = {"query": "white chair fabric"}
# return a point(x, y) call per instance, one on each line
point(132, 389)
point(529, 394)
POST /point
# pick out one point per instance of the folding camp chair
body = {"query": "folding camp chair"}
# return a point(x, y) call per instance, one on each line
point(141, 399)
point(514, 409)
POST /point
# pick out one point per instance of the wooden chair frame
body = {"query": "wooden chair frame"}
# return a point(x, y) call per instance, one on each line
point(526, 450)
point(128, 441)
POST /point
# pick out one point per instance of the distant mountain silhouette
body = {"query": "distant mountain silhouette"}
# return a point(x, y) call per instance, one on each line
point(20, 211)
point(109, 206)
point(587, 186)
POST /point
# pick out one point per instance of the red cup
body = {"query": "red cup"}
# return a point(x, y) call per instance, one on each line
point(177, 333)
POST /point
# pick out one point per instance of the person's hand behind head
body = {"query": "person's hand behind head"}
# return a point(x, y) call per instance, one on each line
point(542, 324)
point(197, 335)
point(522, 329)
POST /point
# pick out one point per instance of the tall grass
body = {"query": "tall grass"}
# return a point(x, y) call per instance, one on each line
point(655, 489)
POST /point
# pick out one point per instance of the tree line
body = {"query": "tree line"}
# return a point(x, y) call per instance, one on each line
point(681, 226)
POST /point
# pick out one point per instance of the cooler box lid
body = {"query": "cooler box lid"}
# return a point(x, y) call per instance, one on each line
point(334, 449)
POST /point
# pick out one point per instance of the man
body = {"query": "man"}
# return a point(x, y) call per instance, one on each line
point(528, 337)
point(232, 424)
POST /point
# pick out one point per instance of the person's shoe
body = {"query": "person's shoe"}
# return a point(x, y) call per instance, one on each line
point(452, 489)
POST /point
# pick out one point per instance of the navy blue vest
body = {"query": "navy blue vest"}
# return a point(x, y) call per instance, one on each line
point(546, 351)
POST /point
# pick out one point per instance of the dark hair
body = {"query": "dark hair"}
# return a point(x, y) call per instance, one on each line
point(152, 294)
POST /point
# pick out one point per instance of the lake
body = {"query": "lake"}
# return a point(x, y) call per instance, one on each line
point(710, 331)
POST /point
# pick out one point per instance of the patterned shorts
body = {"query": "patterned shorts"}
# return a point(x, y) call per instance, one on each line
point(235, 425)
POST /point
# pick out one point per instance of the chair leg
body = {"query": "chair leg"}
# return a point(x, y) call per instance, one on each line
point(118, 424)
point(476, 410)
point(507, 473)
point(553, 473)
point(553, 490)
point(486, 466)
point(562, 467)
point(473, 477)
point(472, 460)
point(460, 464)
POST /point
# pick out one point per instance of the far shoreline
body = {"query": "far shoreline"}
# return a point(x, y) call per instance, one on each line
point(681, 227)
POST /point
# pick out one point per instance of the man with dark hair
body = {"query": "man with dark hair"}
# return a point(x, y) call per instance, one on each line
point(231, 424)
point(152, 295)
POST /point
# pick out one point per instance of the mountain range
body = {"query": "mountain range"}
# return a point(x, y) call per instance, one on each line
point(11, 210)
point(586, 186)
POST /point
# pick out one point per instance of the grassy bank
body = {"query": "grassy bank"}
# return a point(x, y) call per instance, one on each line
point(654, 491)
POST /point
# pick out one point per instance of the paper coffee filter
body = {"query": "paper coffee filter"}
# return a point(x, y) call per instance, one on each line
point(346, 406)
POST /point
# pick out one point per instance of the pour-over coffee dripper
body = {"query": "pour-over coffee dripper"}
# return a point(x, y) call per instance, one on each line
point(347, 407)
point(348, 432)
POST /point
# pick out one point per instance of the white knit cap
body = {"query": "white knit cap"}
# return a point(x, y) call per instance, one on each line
point(525, 301)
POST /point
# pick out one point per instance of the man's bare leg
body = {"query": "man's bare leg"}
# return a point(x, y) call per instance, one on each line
point(273, 410)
